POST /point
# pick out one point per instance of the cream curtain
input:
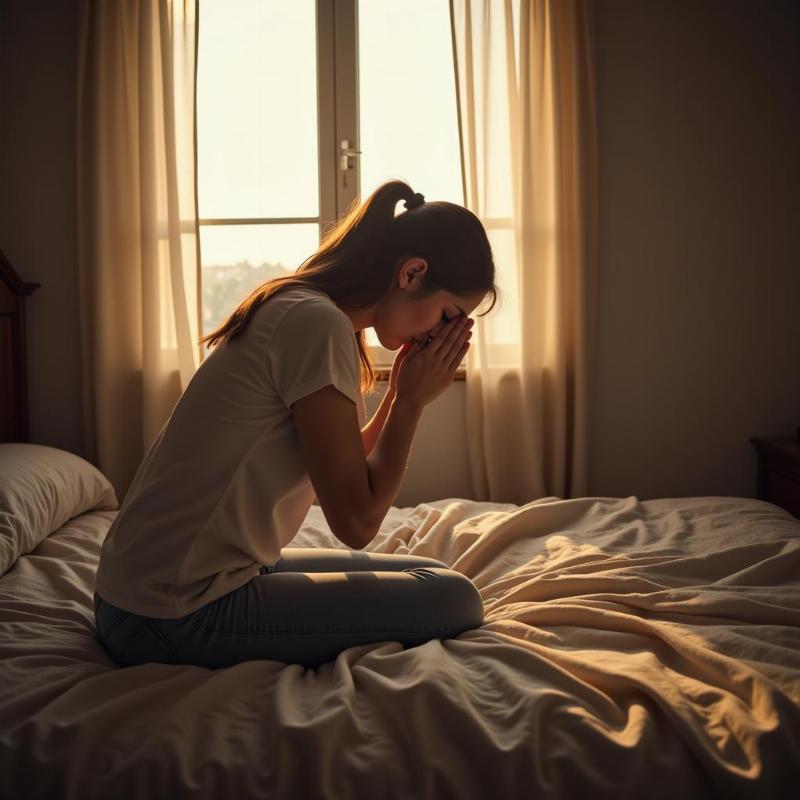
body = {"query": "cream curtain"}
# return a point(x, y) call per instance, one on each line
point(137, 223)
point(525, 88)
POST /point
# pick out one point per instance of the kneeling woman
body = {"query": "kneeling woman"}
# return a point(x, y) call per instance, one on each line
point(192, 570)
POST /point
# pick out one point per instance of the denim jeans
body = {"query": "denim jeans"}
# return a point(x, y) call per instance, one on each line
point(314, 603)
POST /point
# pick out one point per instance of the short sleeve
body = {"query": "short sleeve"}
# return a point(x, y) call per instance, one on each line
point(313, 346)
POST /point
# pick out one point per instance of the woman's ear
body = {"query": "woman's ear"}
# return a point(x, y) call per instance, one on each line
point(412, 272)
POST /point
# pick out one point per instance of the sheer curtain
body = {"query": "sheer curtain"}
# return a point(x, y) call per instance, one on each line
point(525, 88)
point(137, 223)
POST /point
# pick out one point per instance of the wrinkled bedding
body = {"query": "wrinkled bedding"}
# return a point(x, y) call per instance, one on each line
point(630, 649)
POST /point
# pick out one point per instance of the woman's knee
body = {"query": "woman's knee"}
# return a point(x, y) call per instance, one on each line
point(457, 598)
point(425, 561)
point(470, 602)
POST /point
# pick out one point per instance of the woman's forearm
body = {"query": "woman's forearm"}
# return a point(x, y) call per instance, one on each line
point(386, 466)
point(371, 431)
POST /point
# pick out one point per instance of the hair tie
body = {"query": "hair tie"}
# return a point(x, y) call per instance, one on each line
point(415, 201)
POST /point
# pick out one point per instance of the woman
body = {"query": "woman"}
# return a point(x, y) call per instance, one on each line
point(192, 570)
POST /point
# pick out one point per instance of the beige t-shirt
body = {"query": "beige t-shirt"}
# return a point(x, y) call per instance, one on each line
point(224, 486)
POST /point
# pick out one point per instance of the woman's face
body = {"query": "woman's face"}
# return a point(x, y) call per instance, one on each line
point(405, 316)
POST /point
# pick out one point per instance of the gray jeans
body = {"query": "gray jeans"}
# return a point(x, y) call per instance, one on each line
point(314, 603)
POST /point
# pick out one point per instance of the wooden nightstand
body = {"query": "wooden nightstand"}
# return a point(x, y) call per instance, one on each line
point(778, 477)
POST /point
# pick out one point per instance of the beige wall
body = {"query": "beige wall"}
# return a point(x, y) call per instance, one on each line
point(699, 318)
point(699, 308)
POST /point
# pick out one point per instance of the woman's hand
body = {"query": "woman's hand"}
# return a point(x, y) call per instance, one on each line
point(426, 370)
point(398, 360)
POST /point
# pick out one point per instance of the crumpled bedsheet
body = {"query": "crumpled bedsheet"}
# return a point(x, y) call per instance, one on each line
point(640, 649)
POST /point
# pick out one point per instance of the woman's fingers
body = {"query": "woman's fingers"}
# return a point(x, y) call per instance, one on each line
point(450, 348)
point(458, 349)
point(459, 356)
point(451, 333)
point(456, 338)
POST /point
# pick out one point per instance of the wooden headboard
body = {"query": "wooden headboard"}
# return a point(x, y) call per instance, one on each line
point(13, 357)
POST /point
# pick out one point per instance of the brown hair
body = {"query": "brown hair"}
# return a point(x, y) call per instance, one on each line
point(357, 261)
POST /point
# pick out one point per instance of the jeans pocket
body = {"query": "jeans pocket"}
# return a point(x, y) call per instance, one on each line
point(146, 644)
point(107, 618)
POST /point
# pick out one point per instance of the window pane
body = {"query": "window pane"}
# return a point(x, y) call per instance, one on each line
point(407, 100)
point(257, 109)
point(237, 258)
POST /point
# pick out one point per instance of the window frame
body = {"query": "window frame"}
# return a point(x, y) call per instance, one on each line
point(337, 121)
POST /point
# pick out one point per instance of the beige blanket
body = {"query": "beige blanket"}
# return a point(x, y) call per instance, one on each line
point(630, 649)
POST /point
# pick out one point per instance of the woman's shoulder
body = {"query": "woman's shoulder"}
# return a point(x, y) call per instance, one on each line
point(304, 305)
point(292, 295)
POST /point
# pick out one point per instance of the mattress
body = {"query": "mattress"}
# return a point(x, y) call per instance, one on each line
point(629, 649)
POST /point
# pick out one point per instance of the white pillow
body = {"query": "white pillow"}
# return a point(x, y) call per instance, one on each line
point(41, 488)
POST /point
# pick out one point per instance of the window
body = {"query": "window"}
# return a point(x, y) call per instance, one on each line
point(280, 87)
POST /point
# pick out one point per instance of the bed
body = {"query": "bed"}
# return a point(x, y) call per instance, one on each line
point(630, 649)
